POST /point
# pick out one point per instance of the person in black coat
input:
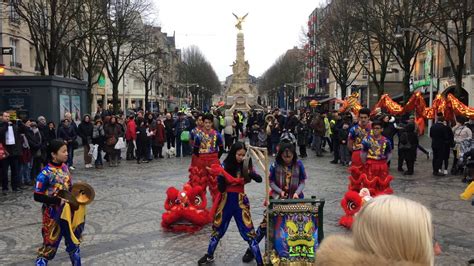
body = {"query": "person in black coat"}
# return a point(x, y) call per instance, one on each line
point(68, 133)
point(43, 128)
point(84, 131)
point(407, 149)
point(448, 145)
point(170, 131)
point(143, 140)
point(439, 137)
point(10, 138)
point(336, 125)
point(35, 140)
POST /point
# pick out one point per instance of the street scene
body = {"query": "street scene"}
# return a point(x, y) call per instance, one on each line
point(123, 223)
point(134, 134)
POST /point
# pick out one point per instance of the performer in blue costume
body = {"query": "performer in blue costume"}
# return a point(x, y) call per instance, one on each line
point(287, 181)
point(53, 178)
point(233, 202)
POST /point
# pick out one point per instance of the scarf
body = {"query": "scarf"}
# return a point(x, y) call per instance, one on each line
point(288, 178)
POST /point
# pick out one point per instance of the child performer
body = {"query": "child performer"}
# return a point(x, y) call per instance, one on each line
point(287, 181)
point(376, 151)
point(207, 149)
point(54, 177)
point(234, 203)
point(356, 134)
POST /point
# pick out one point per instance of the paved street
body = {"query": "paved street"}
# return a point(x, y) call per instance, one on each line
point(123, 223)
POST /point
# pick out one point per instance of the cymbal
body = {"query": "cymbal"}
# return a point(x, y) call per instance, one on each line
point(83, 192)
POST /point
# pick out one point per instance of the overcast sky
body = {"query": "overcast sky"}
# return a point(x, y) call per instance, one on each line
point(271, 28)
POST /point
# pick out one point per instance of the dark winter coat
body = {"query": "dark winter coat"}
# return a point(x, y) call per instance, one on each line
point(343, 134)
point(169, 126)
point(84, 130)
point(292, 123)
point(34, 140)
point(98, 136)
point(13, 150)
point(67, 133)
point(302, 133)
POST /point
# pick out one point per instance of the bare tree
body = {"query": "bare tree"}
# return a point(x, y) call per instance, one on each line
point(377, 39)
point(89, 25)
point(340, 43)
point(123, 29)
point(412, 30)
point(51, 25)
point(451, 18)
point(195, 69)
point(147, 67)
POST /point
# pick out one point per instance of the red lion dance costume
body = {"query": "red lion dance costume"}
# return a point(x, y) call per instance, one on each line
point(372, 176)
point(186, 210)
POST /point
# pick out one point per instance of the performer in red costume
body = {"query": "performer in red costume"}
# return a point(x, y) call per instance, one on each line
point(356, 134)
point(376, 151)
point(372, 175)
point(207, 149)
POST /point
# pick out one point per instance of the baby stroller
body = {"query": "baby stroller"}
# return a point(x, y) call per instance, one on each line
point(466, 160)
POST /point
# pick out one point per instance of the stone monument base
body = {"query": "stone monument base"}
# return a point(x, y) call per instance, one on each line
point(243, 103)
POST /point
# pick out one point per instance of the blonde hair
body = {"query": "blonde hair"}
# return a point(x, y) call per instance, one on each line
point(395, 228)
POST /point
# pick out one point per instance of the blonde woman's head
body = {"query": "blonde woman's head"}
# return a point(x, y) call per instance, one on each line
point(395, 228)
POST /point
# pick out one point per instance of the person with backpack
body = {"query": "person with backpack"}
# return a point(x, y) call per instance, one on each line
point(407, 146)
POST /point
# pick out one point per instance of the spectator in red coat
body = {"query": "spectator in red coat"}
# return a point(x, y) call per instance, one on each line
point(158, 140)
point(130, 137)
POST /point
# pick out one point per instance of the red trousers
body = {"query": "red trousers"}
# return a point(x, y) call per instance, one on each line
point(377, 168)
point(202, 162)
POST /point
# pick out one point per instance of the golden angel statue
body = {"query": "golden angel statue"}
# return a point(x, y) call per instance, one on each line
point(240, 20)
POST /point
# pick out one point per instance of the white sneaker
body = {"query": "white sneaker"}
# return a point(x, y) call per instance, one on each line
point(88, 165)
point(445, 172)
point(72, 168)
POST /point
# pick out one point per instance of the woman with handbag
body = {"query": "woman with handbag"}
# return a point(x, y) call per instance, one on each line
point(113, 131)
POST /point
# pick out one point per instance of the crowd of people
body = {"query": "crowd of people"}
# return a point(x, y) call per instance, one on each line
point(146, 134)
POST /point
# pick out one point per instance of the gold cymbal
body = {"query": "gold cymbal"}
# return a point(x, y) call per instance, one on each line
point(83, 192)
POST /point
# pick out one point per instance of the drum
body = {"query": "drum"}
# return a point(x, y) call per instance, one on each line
point(294, 231)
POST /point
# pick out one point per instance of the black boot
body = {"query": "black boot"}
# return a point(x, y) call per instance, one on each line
point(248, 256)
point(205, 259)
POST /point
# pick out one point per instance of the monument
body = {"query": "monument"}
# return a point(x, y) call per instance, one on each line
point(241, 95)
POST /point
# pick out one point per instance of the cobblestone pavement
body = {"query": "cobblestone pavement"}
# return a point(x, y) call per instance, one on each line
point(123, 223)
